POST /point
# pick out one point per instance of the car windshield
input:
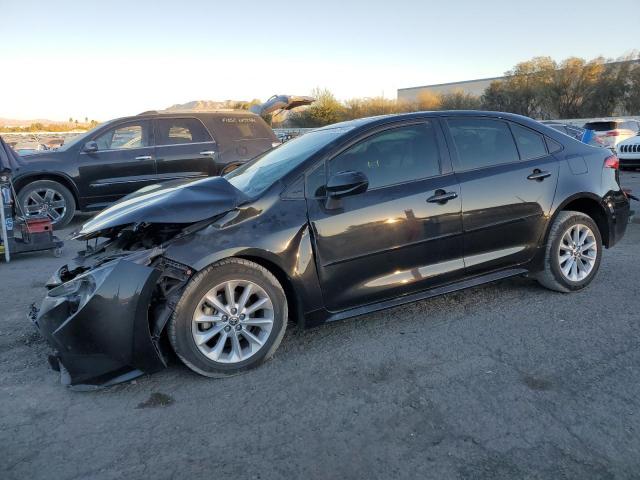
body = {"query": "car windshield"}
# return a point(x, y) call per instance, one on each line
point(259, 174)
point(80, 138)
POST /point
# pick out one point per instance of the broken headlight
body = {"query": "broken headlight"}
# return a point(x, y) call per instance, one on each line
point(79, 290)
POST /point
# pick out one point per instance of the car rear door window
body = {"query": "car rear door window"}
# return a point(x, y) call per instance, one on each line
point(133, 135)
point(393, 156)
point(241, 127)
point(482, 142)
point(530, 144)
point(176, 131)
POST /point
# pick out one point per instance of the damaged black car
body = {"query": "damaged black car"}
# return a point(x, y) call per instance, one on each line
point(345, 220)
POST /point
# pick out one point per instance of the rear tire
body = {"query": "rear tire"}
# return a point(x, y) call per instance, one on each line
point(562, 253)
point(48, 197)
point(217, 331)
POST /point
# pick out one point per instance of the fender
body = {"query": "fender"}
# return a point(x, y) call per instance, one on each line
point(537, 262)
point(294, 267)
point(600, 201)
point(21, 180)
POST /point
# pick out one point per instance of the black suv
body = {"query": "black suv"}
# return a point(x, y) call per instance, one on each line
point(123, 155)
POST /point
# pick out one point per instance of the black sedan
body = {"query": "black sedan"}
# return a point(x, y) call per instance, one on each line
point(343, 221)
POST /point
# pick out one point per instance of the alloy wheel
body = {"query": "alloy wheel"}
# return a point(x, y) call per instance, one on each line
point(233, 321)
point(45, 201)
point(577, 252)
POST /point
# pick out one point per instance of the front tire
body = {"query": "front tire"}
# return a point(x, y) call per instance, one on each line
point(48, 197)
point(231, 318)
point(573, 253)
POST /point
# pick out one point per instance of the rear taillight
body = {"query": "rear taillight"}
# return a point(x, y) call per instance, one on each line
point(612, 162)
point(613, 133)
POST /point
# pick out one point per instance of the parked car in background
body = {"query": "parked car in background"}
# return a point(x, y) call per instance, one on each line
point(343, 221)
point(612, 132)
point(629, 153)
point(582, 134)
point(571, 130)
point(123, 155)
point(28, 148)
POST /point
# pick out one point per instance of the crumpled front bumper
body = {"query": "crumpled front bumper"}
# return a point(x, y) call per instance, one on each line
point(104, 338)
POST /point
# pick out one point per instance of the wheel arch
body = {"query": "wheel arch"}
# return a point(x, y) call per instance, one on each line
point(294, 302)
point(22, 181)
point(589, 204)
point(264, 259)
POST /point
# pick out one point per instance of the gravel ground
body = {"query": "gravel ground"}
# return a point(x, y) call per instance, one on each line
point(503, 381)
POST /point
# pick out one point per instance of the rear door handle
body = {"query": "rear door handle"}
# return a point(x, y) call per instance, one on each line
point(539, 175)
point(144, 157)
point(208, 153)
point(442, 197)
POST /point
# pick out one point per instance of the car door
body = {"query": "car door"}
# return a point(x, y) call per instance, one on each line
point(123, 162)
point(403, 234)
point(184, 148)
point(507, 181)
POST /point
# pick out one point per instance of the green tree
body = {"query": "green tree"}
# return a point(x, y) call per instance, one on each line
point(609, 90)
point(459, 100)
point(527, 84)
point(429, 101)
point(324, 111)
point(573, 82)
point(631, 100)
point(496, 97)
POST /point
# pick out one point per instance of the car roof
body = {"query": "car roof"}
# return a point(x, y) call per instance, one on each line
point(182, 113)
point(392, 118)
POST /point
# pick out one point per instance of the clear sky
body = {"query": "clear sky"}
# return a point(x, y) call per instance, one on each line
point(109, 58)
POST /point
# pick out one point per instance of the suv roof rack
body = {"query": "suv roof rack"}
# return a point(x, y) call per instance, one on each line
point(148, 112)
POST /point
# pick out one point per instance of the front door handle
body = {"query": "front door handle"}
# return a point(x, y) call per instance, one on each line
point(208, 153)
point(442, 197)
point(539, 175)
point(144, 157)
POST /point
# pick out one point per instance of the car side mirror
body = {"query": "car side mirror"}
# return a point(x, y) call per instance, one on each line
point(90, 147)
point(344, 184)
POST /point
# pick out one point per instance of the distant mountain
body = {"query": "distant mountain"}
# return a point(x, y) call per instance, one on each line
point(12, 122)
point(206, 105)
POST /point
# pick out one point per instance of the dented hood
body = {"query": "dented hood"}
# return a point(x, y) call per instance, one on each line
point(178, 201)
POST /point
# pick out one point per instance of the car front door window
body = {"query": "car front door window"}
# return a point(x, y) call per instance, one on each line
point(125, 137)
point(394, 156)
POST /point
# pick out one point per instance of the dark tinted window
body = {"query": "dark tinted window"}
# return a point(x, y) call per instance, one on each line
point(123, 137)
point(316, 182)
point(172, 131)
point(481, 142)
point(239, 127)
point(256, 176)
point(394, 156)
point(530, 144)
point(601, 126)
point(553, 145)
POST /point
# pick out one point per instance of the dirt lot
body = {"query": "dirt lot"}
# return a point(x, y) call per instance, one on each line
point(502, 381)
